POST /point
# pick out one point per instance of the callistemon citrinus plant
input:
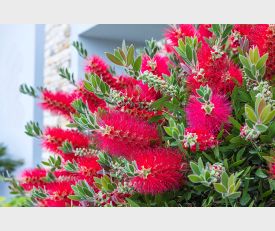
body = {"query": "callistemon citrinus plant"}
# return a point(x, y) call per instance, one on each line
point(189, 123)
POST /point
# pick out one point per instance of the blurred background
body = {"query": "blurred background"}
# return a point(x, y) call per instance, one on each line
point(32, 54)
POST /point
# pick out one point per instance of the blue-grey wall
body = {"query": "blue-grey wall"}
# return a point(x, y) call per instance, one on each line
point(99, 38)
point(21, 61)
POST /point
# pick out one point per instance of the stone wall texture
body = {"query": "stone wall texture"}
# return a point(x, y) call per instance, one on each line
point(57, 53)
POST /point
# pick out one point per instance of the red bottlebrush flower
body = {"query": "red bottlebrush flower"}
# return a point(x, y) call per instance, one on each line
point(124, 133)
point(203, 138)
point(160, 170)
point(233, 77)
point(54, 137)
point(33, 178)
point(204, 32)
point(97, 66)
point(175, 33)
point(221, 73)
point(60, 189)
point(197, 118)
point(58, 194)
point(123, 82)
point(88, 166)
point(54, 203)
point(89, 97)
point(272, 170)
point(140, 113)
point(158, 65)
point(140, 95)
point(270, 43)
point(255, 33)
point(58, 103)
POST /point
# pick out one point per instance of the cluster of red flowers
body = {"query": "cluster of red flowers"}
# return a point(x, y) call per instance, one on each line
point(124, 131)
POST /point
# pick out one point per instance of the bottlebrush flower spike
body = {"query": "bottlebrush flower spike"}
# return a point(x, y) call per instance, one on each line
point(221, 73)
point(160, 170)
point(33, 178)
point(88, 166)
point(255, 33)
point(203, 31)
point(270, 65)
point(203, 138)
point(96, 65)
point(140, 92)
point(58, 103)
point(54, 203)
point(58, 194)
point(158, 65)
point(175, 33)
point(141, 96)
point(59, 190)
point(124, 133)
point(208, 114)
point(124, 81)
point(54, 137)
point(89, 97)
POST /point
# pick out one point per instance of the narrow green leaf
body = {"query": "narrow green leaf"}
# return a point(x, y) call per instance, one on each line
point(137, 64)
point(114, 59)
point(130, 55)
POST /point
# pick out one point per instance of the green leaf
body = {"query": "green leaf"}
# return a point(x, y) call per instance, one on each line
point(265, 112)
point(272, 184)
point(261, 127)
point(200, 164)
point(194, 178)
point(269, 117)
point(245, 199)
point(114, 59)
point(132, 203)
point(259, 105)
point(220, 188)
point(130, 55)
point(224, 178)
point(262, 61)
point(195, 168)
point(189, 52)
point(209, 157)
point(137, 64)
point(231, 180)
point(244, 61)
point(260, 173)
point(123, 56)
point(250, 114)
point(237, 163)
point(216, 29)
point(168, 130)
point(235, 123)
point(74, 197)
point(234, 195)
point(240, 154)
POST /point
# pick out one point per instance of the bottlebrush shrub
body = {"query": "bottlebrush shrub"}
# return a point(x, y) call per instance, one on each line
point(189, 123)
